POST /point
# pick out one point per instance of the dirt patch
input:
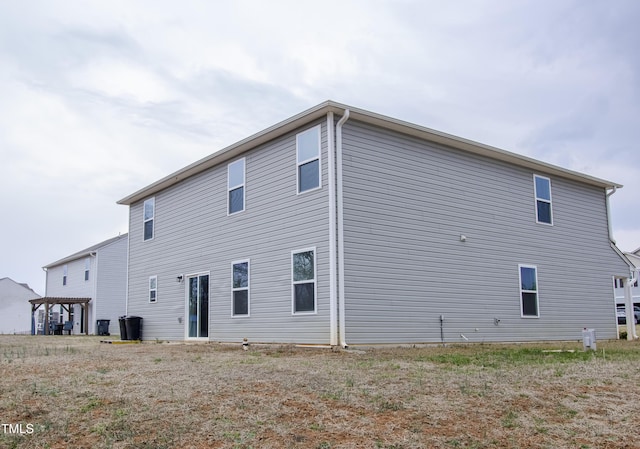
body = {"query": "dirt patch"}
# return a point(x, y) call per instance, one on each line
point(78, 393)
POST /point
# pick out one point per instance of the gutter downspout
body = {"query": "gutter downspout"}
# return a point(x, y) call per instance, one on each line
point(628, 300)
point(611, 239)
point(341, 294)
point(94, 296)
point(628, 308)
point(126, 292)
point(333, 284)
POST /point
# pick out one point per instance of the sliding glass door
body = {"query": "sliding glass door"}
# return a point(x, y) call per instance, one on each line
point(198, 306)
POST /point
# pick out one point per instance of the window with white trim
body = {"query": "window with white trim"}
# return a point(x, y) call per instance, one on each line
point(308, 159)
point(149, 212)
point(542, 187)
point(87, 266)
point(153, 288)
point(240, 288)
point(235, 186)
point(303, 278)
point(529, 304)
point(65, 272)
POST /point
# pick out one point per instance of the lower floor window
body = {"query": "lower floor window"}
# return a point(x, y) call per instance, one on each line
point(529, 291)
point(153, 288)
point(303, 267)
point(240, 288)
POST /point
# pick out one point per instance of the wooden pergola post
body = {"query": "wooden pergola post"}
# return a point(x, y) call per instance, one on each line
point(46, 318)
point(86, 318)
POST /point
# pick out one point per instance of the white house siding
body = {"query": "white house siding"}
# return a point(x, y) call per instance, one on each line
point(406, 204)
point(76, 287)
point(106, 285)
point(15, 310)
point(111, 284)
point(194, 234)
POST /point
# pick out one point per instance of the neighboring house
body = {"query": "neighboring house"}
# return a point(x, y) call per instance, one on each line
point(342, 226)
point(15, 311)
point(98, 273)
point(627, 292)
point(634, 258)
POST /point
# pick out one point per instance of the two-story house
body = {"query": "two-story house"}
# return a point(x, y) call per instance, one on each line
point(627, 293)
point(94, 278)
point(343, 226)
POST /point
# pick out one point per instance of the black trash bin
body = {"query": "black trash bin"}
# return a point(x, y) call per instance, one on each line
point(134, 327)
point(102, 327)
point(123, 328)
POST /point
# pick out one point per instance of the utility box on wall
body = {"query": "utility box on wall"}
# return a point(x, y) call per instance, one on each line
point(589, 339)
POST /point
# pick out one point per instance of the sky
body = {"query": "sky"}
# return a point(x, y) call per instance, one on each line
point(99, 99)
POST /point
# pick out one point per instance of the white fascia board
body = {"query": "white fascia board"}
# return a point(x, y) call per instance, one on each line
point(361, 115)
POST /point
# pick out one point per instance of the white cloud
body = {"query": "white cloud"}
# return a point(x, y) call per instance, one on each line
point(101, 98)
point(117, 79)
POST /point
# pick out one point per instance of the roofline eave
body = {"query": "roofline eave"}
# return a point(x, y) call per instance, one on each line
point(361, 115)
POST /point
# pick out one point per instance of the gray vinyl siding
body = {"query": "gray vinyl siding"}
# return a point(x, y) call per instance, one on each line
point(111, 284)
point(193, 234)
point(406, 203)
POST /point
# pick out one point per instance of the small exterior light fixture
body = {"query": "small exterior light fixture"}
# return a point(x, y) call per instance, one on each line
point(179, 278)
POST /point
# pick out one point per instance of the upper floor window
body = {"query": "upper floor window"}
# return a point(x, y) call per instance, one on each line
point(65, 272)
point(87, 265)
point(308, 157)
point(542, 187)
point(303, 267)
point(529, 291)
point(235, 186)
point(148, 217)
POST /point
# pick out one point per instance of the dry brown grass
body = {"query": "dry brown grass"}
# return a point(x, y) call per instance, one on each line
point(79, 393)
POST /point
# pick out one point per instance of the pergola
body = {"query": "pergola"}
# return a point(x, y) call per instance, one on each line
point(66, 304)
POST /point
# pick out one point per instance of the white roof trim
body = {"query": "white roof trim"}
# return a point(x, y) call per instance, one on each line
point(87, 251)
point(361, 115)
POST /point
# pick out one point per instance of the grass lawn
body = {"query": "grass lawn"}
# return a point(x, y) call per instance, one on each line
point(75, 392)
